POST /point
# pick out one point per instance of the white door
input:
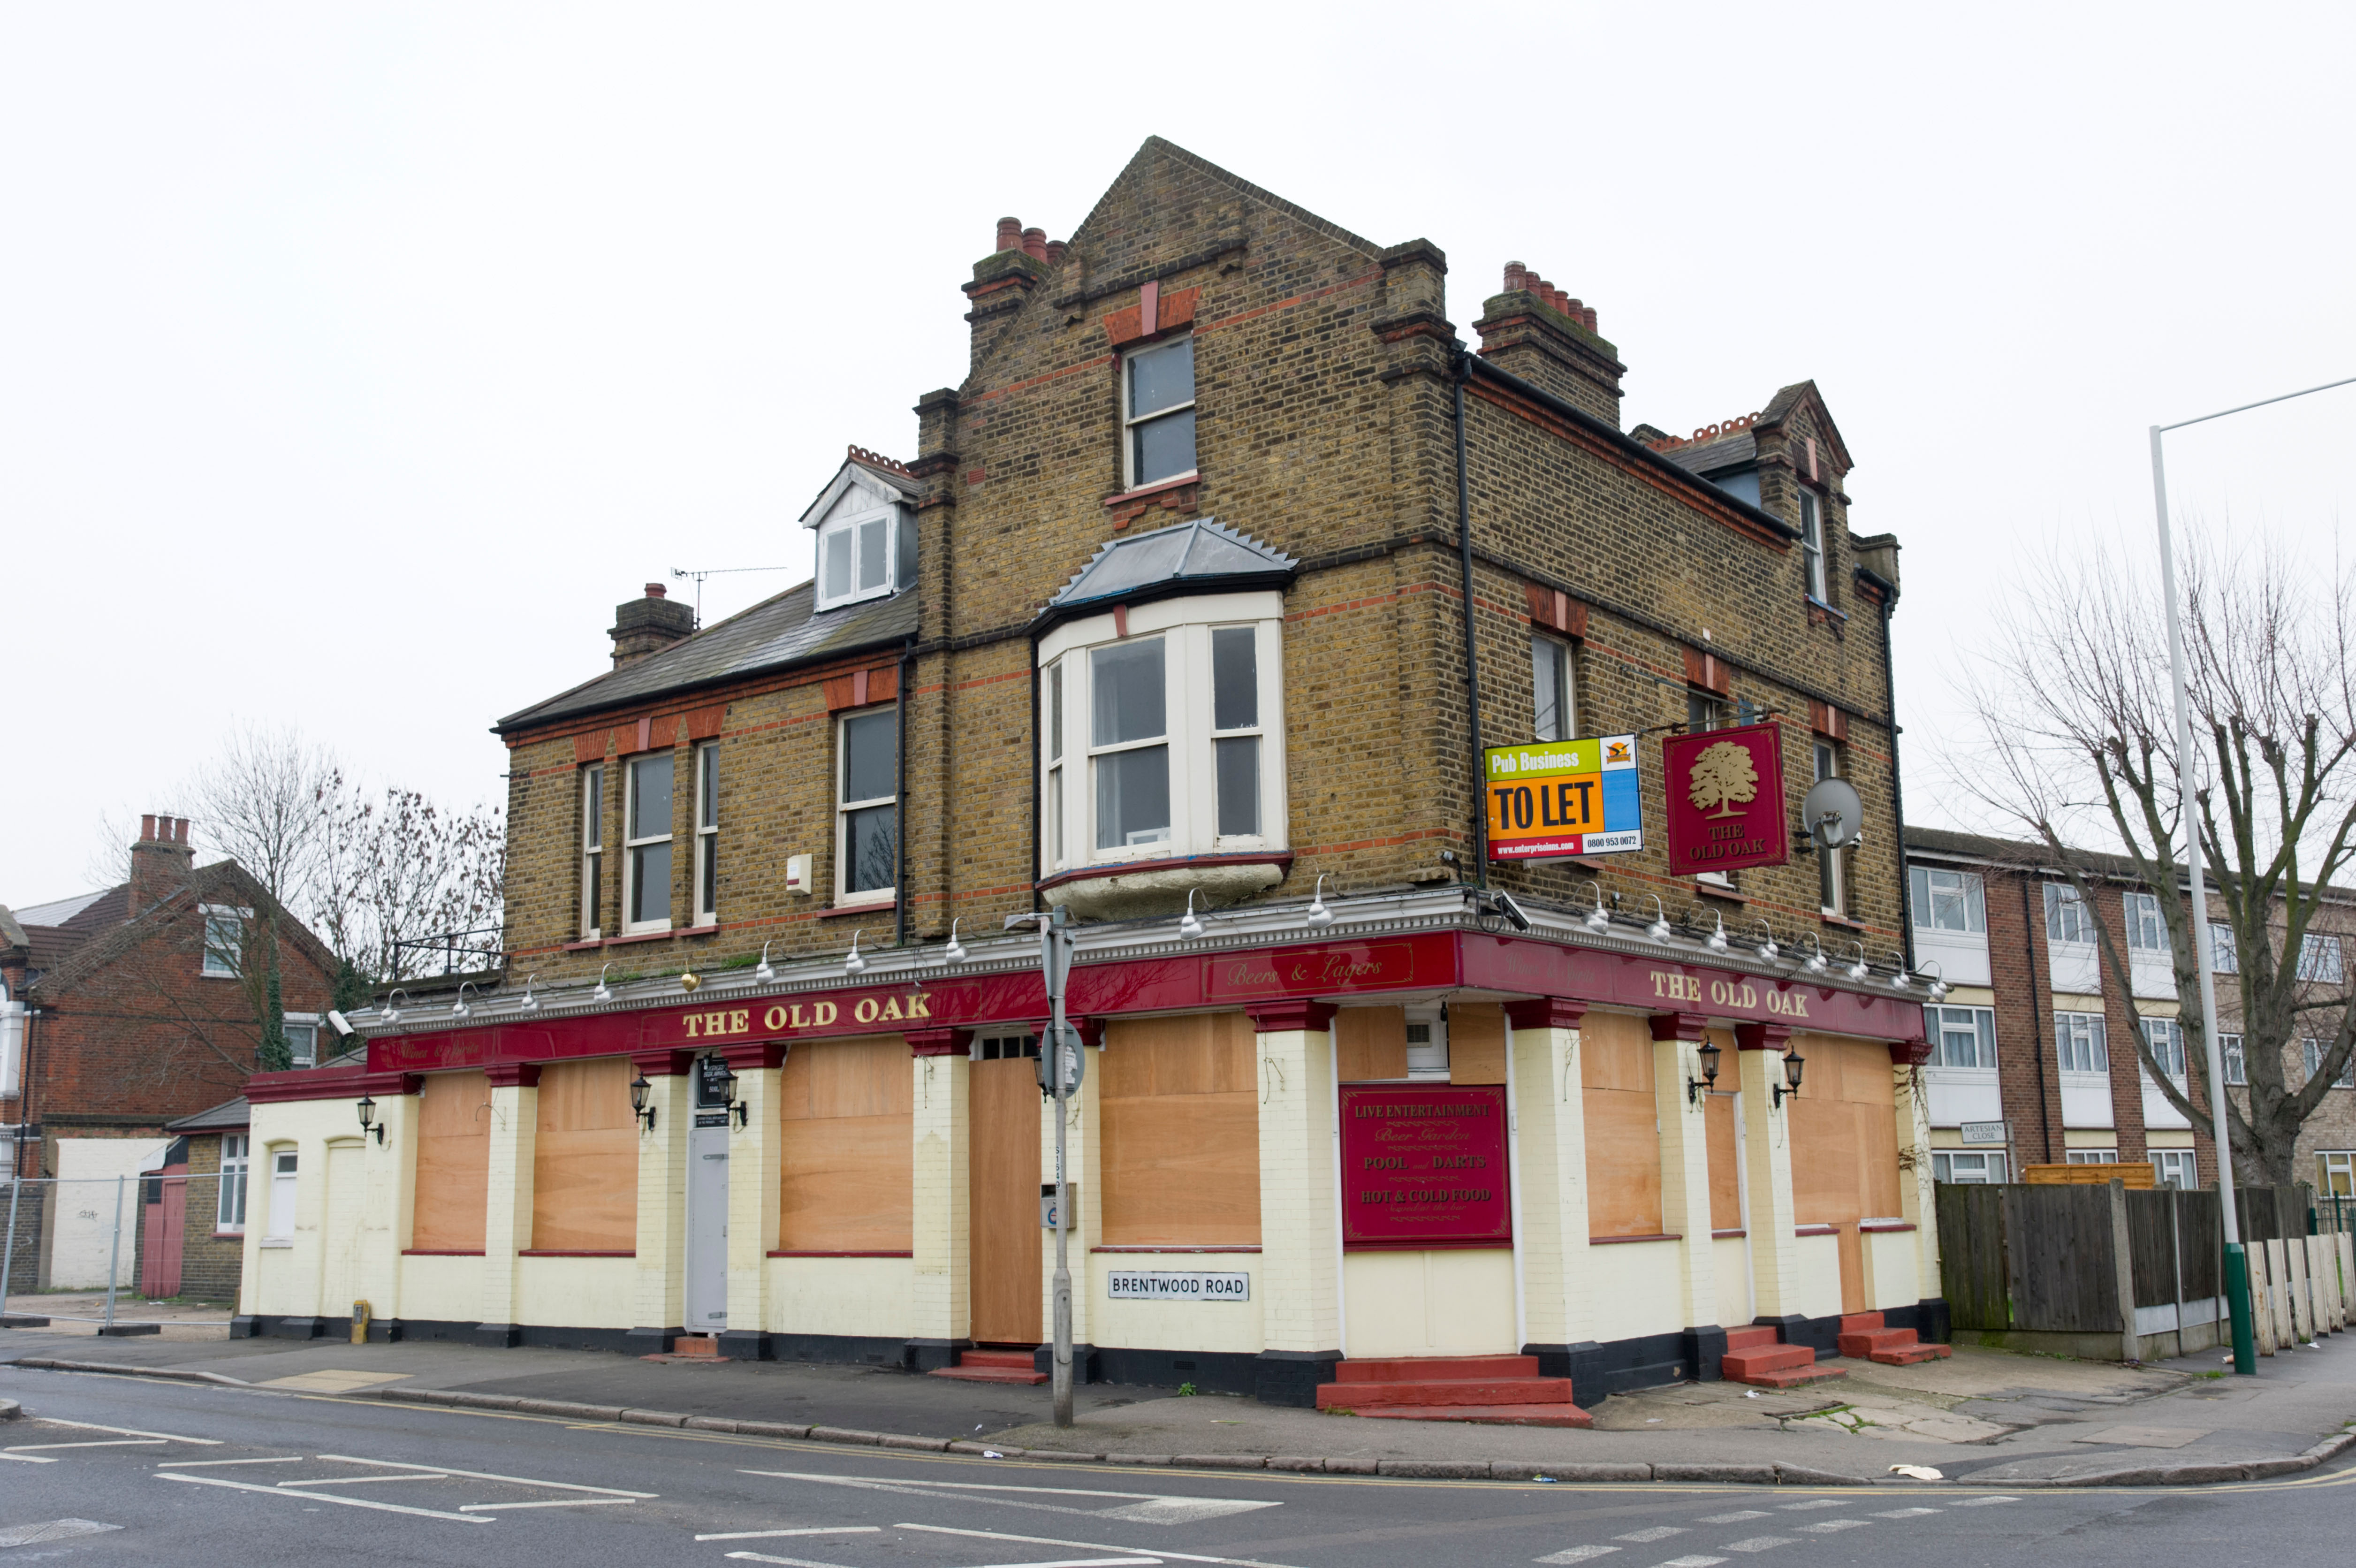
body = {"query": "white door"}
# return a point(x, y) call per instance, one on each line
point(707, 1209)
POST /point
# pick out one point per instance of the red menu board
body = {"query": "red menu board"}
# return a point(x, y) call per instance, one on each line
point(1424, 1165)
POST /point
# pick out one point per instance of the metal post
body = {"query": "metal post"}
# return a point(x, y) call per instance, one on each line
point(8, 1256)
point(1055, 960)
point(115, 1250)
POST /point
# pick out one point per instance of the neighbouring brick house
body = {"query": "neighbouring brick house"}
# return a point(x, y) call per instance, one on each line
point(131, 1007)
point(1163, 625)
point(2032, 1056)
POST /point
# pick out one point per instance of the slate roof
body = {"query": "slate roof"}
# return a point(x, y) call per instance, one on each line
point(58, 911)
point(1708, 458)
point(772, 635)
point(52, 941)
point(229, 1116)
point(1196, 556)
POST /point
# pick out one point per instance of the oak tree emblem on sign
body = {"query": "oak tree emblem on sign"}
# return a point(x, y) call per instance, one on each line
point(1722, 776)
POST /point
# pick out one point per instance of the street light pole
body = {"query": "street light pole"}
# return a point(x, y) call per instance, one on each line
point(1056, 961)
point(2237, 1263)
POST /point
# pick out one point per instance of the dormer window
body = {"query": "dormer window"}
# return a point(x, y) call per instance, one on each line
point(855, 557)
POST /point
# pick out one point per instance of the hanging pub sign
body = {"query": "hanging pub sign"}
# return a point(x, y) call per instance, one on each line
point(1548, 800)
point(1725, 792)
point(1424, 1165)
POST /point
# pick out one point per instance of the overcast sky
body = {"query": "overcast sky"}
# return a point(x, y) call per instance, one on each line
point(355, 361)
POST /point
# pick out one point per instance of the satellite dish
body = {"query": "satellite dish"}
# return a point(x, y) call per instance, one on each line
point(1832, 814)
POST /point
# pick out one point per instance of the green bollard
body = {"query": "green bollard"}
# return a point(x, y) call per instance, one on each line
point(2237, 1301)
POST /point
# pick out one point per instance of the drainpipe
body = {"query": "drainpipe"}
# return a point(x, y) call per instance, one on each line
point(1463, 368)
point(2035, 1017)
point(899, 798)
point(1897, 788)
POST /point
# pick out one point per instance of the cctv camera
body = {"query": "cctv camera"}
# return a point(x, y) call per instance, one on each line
point(343, 1025)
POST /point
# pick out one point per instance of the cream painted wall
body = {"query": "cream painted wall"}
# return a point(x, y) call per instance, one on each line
point(1890, 1268)
point(1732, 1258)
point(1637, 1288)
point(576, 1292)
point(1816, 1276)
point(90, 1172)
point(442, 1290)
point(1454, 1301)
point(867, 1297)
point(1213, 1325)
point(287, 1279)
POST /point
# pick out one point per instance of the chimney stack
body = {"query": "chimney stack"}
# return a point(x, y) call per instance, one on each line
point(648, 626)
point(1541, 334)
point(160, 860)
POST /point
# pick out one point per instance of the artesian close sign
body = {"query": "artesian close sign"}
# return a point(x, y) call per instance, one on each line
point(1424, 1165)
point(1552, 798)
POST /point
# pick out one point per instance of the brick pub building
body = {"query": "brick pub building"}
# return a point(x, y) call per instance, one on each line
point(1163, 623)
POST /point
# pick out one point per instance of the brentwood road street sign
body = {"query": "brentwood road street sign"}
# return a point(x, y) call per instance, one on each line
point(1551, 799)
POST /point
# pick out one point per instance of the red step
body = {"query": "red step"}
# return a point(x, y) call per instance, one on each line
point(1750, 1336)
point(992, 1366)
point(1487, 1415)
point(1754, 1357)
point(1496, 1389)
point(695, 1344)
point(1397, 1368)
point(1863, 1334)
point(1795, 1377)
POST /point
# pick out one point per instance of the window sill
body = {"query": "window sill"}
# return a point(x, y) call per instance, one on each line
point(1843, 921)
point(1818, 607)
point(1281, 857)
point(273, 1244)
point(1628, 1240)
point(1143, 492)
point(1883, 1226)
point(229, 1235)
point(878, 906)
point(641, 937)
point(1240, 1247)
point(797, 1254)
point(437, 1252)
point(573, 1253)
point(1735, 1235)
point(1815, 1229)
point(1716, 890)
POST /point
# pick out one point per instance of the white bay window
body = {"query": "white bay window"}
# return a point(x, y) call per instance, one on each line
point(1166, 741)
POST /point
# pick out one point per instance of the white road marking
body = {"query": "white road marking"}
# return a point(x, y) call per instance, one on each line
point(206, 1464)
point(323, 1497)
point(1737, 1517)
point(1087, 1563)
point(1980, 1502)
point(1657, 1532)
point(1815, 1503)
point(487, 1476)
point(1759, 1543)
point(789, 1561)
point(1579, 1554)
point(1696, 1561)
point(360, 1480)
point(1089, 1546)
point(56, 1529)
point(27, 1459)
point(129, 1432)
point(1149, 1508)
point(1905, 1513)
point(1831, 1525)
point(103, 1443)
point(814, 1530)
point(549, 1503)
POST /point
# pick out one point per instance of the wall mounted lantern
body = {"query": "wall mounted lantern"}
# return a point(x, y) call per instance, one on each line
point(1793, 1064)
point(369, 1124)
point(646, 1112)
point(1709, 1052)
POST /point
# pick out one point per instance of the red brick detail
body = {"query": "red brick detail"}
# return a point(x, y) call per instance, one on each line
point(938, 1042)
point(1556, 609)
point(1154, 316)
point(861, 687)
point(1912, 1053)
point(589, 746)
point(703, 724)
point(661, 1064)
point(1172, 495)
point(514, 1075)
point(763, 1055)
point(1762, 1036)
point(646, 733)
point(1828, 721)
point(1546, 1012)
point(1707, 672)
point(1289, 1017)
point(1680, 1027)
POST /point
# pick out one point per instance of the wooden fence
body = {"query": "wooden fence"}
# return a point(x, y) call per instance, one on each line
point(2108, 1272)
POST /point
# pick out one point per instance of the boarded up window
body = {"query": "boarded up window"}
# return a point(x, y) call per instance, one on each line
point(1476, 1042)
point(1181, 1110)
point(1623, 1149)
point(454, 1162)
point(1844, 1146)
point(848, 1182)
point(1718, 1120)
point(584, 1163)
point(1371, 1043)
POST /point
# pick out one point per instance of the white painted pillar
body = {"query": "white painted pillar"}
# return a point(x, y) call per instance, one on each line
point(1916, 1199)
point(507, 1221)
point(756, 1171)
point(1300, 1238)
point(659, 1307)
point(942, 1234)
point(1550, 1110)
point(1685, 1161)
point(1767, 1150)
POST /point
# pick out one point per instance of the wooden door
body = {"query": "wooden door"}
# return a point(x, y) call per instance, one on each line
point(163, 1218)
point(1005, 1183)
point(339, 1231)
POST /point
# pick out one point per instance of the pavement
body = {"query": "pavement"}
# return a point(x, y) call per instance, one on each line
point(1984, 1416)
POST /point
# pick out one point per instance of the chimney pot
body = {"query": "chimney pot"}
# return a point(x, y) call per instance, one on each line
point(1589, 318)
point(159, 861)
point(1517, 277)
point(1009, 233)
point(657, 591)
point(147, 827)
point(648, 625)
point(1055, 249)
point(1035, 244)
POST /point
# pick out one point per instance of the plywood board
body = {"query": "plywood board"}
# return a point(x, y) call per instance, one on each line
point(1623, 1163)
point(1371, 1043)
point(1724, 1169)
point(585, 1182)
point(1615, 1051)
point(846, 1169)
point(1180, 1111)
point(454, 1162)
point(1476, 1042)
point(1005, 1198)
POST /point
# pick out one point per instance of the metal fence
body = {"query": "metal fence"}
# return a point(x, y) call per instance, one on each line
point(478, 951)
point(106, 1211)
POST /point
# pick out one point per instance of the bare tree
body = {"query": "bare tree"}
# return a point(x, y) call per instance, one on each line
point(257, 802)
point(398, 869)
point(2079, 726)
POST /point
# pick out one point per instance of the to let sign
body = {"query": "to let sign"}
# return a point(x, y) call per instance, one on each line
point(1551, 799)
point(1725, 791)
point(1424, 1165)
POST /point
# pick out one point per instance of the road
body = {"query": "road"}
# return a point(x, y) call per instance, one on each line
point(198, 1476)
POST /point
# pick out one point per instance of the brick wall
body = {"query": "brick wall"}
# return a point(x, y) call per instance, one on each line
point(211, 1264)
